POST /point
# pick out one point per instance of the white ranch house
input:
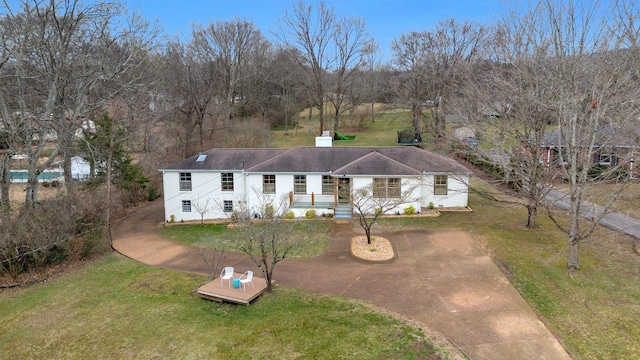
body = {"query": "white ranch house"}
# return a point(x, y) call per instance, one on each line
point(319, 178)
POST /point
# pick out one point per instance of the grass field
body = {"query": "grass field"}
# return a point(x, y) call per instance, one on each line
point(382, 132)
point(116, 308)
point(219, 236)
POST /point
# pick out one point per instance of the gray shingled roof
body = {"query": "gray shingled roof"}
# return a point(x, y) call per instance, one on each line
point(374, 163)
point(395, 160)
point(606, 136)
point(226, 159)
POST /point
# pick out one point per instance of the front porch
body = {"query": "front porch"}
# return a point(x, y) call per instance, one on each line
point(321, 203)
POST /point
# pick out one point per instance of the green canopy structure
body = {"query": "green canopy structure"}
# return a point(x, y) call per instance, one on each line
point(340, 136)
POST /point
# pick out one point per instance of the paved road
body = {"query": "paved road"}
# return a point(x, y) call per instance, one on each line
point(614, 221)
point(441, 278)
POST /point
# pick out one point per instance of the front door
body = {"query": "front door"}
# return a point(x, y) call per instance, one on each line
point(344, 191)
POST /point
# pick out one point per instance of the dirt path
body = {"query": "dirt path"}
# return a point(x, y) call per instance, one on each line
point(441, 278)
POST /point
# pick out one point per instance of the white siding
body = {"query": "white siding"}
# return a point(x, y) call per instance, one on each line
point(457, 192)
point(407, 184)
point(204, 185)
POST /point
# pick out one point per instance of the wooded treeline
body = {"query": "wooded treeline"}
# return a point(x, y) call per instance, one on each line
point(95, 78)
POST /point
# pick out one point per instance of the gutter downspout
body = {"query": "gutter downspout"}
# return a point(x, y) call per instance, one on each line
point(244, 187)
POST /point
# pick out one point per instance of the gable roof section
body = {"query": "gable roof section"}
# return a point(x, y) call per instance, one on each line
point(375, 163)
point(309, 159)
point(424, 161)
point(392, 160)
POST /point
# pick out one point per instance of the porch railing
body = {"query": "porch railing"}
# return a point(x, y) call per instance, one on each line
point(312, 200)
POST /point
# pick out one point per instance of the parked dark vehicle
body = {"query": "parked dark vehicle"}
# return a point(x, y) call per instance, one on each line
point(470, 142)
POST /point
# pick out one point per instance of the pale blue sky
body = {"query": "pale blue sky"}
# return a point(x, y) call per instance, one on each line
point(386, 19)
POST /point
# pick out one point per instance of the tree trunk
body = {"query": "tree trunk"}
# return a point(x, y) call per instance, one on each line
point(68, 176)
point(201, 132)
point(373, 113)
point(336, 120)
point(438, 122)
point(31, 192)
point(573, 263)
point(574, 232)
point(5, 183)
point(321, 111)
point(416, 113)
point(268, 273)
point(532, 210)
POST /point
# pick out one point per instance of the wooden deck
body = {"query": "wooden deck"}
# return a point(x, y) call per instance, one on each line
point(225, 293)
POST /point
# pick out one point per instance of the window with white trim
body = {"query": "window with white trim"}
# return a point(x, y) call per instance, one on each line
point(185, 181)
point(299, 184)
point(384, 188)
point(268, 184)
point(228, 205)
point(608, 159)
point(393, 188)
point(227, 181)
point(327, 184)
point(186, 205)
point(440, 186)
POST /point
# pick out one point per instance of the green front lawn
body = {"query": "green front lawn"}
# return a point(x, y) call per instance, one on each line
point(219, 236)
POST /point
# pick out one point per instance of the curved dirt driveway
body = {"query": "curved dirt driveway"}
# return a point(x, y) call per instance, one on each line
point(441, 278)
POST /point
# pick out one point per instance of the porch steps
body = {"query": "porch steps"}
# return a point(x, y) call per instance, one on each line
point(343, 212)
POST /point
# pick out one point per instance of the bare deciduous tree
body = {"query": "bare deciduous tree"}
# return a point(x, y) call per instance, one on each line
point(433, 63)
point(578, 77)
point(351, 40)
point(269, 239)
point(309, 34)
point(189, 83)
point(511, 83)
point(214, 260)
point(372, 69)
point(67, 59)
point(230, 47)
point(410, 86)
point(453, 46)
point(372, 201)
point(202, 207)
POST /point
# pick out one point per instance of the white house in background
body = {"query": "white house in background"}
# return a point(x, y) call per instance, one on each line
point(80, 168)
point(319, 178)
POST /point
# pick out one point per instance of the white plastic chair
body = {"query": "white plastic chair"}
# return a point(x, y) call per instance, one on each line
point(226, 274)
point(245, 278)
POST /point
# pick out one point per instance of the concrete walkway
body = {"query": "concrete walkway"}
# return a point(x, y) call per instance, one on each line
point(441, 278)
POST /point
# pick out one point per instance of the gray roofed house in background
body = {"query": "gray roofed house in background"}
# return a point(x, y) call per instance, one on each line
point(611, 145)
